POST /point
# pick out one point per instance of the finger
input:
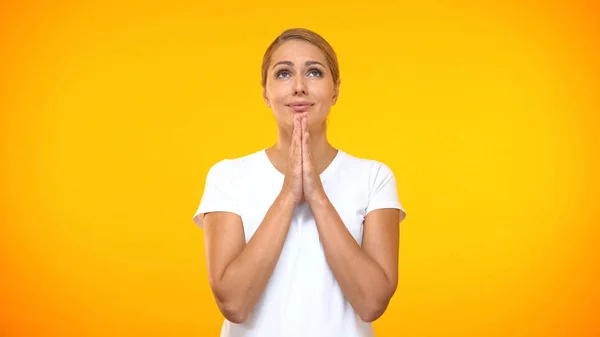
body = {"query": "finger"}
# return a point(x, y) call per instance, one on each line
point(297, 129)
point(298, 140)
point(305, 129)
point(293, 133)
point(305, 134)
point(304, 123)
point(293, 147)
point(306, 148)
point(296, 120)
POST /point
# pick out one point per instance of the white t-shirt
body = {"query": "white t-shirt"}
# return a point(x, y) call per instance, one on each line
point(302, 297)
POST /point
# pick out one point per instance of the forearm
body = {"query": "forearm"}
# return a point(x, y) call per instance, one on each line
point(362, 280)
point(245, 279)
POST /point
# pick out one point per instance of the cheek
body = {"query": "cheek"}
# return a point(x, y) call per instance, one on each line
point(277, 96)
point(324, 92)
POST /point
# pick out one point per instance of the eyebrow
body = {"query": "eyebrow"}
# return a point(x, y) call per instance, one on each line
point(291, 64)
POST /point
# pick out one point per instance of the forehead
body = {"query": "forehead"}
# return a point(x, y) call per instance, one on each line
point(298, 51)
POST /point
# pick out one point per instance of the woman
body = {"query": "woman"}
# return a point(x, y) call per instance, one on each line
point(301, 238)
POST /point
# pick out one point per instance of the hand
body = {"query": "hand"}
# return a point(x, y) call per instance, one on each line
point(311, 181)
point(292, 183)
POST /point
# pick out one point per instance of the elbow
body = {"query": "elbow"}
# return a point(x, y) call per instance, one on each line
point(234, 314)
point(231, 307)
point(372, 312)
point(375, 307)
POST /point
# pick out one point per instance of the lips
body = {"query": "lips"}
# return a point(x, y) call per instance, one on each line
point(300, 106)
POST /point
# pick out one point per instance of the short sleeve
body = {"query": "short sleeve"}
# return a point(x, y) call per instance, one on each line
point(383, 191)
point(219, 193)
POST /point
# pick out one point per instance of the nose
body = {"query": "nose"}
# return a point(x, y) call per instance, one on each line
point(299, 86)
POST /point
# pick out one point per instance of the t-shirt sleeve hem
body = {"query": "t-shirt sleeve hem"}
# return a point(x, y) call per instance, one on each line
point(198, 218)
point(385, 205)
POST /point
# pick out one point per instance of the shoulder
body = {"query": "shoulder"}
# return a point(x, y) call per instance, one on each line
point(370, 166)
point(233, 166)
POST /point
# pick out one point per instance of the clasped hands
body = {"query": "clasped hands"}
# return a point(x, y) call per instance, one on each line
point(302, 181)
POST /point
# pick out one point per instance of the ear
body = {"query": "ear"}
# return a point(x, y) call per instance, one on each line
point(336, 91)
point(267, 101)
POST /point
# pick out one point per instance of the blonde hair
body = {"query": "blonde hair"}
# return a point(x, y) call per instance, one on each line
point(304, 35)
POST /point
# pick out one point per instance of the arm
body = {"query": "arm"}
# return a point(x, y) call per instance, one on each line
point(239, 272)
point(368, 276)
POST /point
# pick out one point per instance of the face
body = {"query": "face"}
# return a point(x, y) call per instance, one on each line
point(299, 81)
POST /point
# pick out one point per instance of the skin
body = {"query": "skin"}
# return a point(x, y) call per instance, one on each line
point(239, 272)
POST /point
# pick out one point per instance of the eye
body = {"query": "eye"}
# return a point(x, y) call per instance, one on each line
point(315, 72)
point(283, 73)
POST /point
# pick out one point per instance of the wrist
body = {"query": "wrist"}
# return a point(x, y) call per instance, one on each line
point(286, 199)
point(318, 198)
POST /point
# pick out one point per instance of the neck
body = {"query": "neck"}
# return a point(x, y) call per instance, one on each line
point(322, 151)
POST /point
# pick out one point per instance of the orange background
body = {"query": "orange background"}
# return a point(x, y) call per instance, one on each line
point(112, 113)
